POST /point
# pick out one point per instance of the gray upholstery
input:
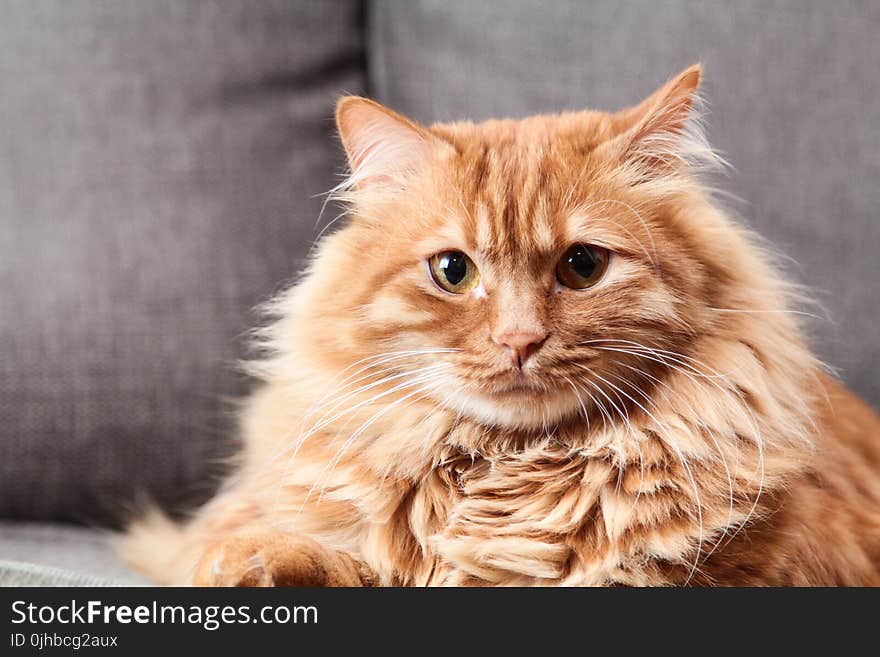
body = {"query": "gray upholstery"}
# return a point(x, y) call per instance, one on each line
point(160, 161)
point(78, 550)
point(793, 87)
point(22, 573)
point(159, 166)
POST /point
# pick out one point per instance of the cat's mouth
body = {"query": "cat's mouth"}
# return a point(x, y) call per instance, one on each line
point(520, 401)
point(521, 387)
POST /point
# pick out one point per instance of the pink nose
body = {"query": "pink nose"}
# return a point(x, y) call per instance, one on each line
point(521, 345)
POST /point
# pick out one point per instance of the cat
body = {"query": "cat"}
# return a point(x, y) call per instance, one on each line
point(537, 353)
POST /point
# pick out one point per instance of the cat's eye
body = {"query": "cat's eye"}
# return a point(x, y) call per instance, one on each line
point(454, 272)
point(582, 266)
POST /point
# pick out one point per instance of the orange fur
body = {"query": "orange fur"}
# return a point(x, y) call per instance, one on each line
point(673, 428)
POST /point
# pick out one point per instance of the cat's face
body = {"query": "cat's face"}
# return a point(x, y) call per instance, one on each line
point(526, 265)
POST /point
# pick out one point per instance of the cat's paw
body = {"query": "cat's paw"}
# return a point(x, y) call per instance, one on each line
point(275, 559)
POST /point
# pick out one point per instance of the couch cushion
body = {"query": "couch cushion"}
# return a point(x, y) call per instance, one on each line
point(795, 100)
point(159, 166)
point(48, 549)
point(19, 573)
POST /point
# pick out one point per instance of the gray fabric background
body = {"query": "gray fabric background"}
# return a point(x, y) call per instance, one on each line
point(794, 93)
point(159, 163)
point(83, 553)
point(17, 573)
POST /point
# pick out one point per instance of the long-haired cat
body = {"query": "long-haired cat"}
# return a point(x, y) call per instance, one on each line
point(537, 354)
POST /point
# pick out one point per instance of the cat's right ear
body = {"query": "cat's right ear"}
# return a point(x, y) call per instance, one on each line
point(383, 147)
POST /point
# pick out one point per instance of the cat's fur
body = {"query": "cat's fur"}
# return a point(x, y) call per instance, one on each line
point(672, 429)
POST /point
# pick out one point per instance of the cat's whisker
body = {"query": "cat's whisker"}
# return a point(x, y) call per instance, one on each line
point(335, 460)
point(711, 433)
point(715, 442)
point(417, 380)
point(782, 311)
point(380, 359)
point(579, 400)
point(634, 434)
point(440, 406)
point(664, 429)
point(397, 374)
point(607, 420)
point(664, 358)
point(322, 423)
point(377, 359)
point(757, 439)
point(672, 355)
point(625, 418)
point(638, 446)
point(406, 376)
point(411, 381)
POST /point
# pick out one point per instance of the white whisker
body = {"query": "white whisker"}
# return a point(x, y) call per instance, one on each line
point(670, 362)
point(665, 429)
point(334, 461)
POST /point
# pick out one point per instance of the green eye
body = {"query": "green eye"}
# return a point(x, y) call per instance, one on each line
point(582, 266)
point(454, 272)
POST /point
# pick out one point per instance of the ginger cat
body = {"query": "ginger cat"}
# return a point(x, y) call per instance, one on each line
point(536, 354)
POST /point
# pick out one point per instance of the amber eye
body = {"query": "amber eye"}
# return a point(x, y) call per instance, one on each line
point(582, 266)
point(454, 272)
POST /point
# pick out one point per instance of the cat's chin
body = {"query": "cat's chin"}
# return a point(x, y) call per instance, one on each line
point(525, 407)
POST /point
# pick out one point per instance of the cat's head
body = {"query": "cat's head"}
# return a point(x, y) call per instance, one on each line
point(520, 272)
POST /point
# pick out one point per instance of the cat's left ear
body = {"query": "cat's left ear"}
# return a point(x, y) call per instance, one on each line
point(652, 134)
point(383, 147)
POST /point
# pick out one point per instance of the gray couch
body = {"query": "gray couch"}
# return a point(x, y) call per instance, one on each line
point(161, 165)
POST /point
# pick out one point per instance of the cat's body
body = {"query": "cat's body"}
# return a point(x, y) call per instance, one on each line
point(523, 421)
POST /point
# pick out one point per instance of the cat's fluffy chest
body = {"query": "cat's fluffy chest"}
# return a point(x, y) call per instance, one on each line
point(541, 514)
point(578, 503)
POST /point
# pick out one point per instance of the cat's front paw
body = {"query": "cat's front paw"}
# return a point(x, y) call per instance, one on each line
point(276, 559)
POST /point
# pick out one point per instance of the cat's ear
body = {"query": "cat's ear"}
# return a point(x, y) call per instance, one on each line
point(383, 147)
point(654, 134)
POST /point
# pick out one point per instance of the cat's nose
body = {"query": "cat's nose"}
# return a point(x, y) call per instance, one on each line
point(521, 345)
